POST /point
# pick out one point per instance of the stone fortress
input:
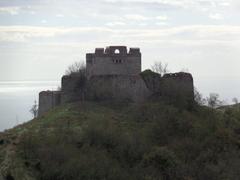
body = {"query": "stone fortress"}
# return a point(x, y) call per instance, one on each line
point(114, 74)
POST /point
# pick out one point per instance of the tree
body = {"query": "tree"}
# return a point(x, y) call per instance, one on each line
point(235, 100)
point(34, 109)
point(213, 100)
point(198, 98)
point(77, 67)
point(160, 68)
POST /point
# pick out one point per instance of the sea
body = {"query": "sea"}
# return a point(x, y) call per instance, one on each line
point(17, 98)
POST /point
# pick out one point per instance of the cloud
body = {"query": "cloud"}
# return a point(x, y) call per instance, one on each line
point(225, 3)
point(182, 3)
point(10, 10)
point(192, 33)
point(117, 23)
point(161, 23)
point(216, 16)
point(44, 21)
point(136, 17)
point(60, 15)
point(162, 18)
point(25, 33)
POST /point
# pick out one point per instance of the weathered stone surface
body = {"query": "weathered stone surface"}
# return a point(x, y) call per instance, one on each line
point(178, 88)
point(73, 88)
point(175, 83)
point(48, 100)
point(117, 87)
point(114, 60)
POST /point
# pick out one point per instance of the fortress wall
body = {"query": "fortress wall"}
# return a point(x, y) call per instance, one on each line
point(133, 64)
point(118, 65)
point(48, 100)
point(118, 87)
point(153, 81)
point(72, 88)
point(178, 85)
point(175, 88)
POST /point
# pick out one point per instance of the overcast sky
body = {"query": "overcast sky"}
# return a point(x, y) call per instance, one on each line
point(39, 39)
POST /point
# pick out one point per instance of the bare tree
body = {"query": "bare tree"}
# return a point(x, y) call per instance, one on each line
point(235, 100)
point(77, 67)
point(34, 109)
point(160, 68)
point(198, 98)
point(213, 100)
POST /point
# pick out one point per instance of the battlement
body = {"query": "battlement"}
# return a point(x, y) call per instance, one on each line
point(114, 60)
point(113, 51)
point(179, 76)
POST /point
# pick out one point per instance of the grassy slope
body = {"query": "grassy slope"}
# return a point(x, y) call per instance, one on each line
point(119, 141)
point(73, 116)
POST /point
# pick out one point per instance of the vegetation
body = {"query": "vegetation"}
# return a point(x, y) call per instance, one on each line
point(149, 141)
point(213, 100)
point(160, 68)
point(34, 109)
point(76, 68)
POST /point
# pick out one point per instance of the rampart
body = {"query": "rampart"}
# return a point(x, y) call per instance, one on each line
point(130, 88)
point(48, 100)
point(73, 88)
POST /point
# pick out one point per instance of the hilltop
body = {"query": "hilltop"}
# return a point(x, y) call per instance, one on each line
point(106, 140)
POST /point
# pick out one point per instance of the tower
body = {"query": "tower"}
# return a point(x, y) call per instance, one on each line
point(114, 60)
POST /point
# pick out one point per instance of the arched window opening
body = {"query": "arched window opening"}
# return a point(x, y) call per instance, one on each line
point(117, 51)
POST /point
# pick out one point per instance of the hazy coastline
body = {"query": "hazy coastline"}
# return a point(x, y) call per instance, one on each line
point(16, 99)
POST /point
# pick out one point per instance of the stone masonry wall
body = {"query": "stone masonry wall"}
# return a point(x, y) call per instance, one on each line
point(48, 100)
point(179, 88)
point(114, 60)
point(118, 87)
point(176, 87)
point(178, 83)
point(73, 88)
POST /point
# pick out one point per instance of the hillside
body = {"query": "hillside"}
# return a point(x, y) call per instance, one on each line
point(230, 107)
point(149, 141)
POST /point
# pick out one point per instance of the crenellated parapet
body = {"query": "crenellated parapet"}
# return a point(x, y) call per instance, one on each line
point(179, 76)
point(114, 60)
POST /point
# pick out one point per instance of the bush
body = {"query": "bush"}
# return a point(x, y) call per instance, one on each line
point(162, 161)
point(136, 142)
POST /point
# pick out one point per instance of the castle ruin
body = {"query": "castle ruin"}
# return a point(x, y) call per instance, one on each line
point(115, 74)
